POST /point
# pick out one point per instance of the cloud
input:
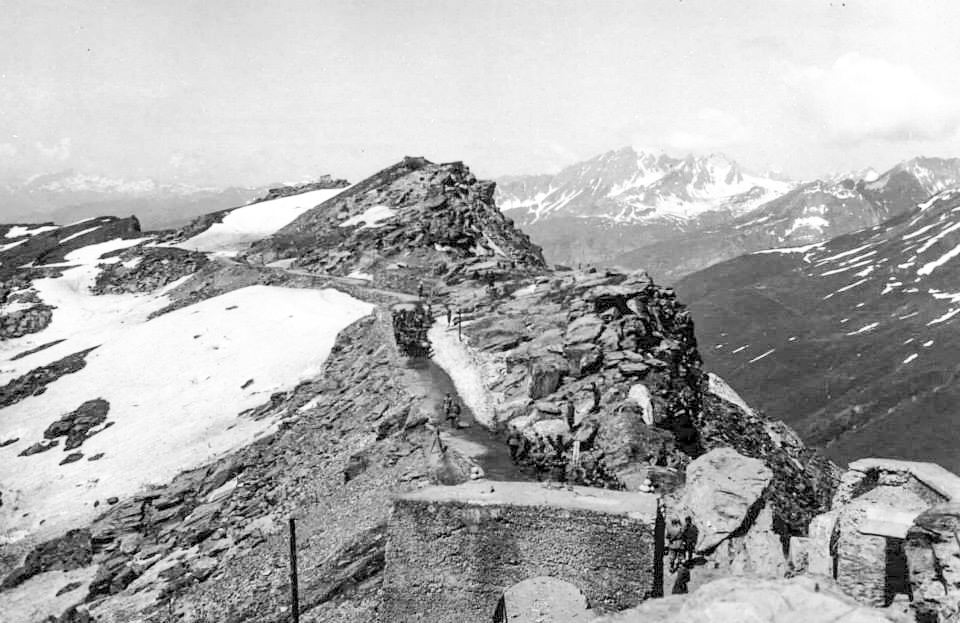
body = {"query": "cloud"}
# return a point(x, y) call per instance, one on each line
point(860, 98)
point(58, 151)
point(7, 151)
point(711, 129)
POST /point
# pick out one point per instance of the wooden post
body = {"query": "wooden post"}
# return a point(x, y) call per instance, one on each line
point(294, 590)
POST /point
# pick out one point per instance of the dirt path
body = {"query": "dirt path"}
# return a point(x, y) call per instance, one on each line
point(475, 441)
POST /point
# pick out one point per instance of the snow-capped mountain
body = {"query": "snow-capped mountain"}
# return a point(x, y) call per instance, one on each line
point(852, 341)
point(676, 216)
point(933, 174)
point(627, 186)
point(67, 196)
point(812, 212)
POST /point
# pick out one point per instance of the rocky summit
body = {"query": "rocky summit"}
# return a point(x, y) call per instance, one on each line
point(550, 443)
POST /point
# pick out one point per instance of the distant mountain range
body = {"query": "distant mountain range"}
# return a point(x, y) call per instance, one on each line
point(675, 216)
point(853, 341)
point(69, 196)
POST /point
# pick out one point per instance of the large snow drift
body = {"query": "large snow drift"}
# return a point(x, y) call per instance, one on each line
point(175, 386)
point(254, 222)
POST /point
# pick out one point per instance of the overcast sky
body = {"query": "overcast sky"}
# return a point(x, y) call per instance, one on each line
point(251, 92)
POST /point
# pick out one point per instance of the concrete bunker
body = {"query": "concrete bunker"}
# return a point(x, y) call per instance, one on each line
point(452, 552)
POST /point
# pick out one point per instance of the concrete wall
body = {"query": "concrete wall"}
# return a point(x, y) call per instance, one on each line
point(452, 551)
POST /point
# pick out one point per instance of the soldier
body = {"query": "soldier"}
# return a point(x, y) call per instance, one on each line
point(513, 442)
point(449, 315)
point(438, 442)
point(596, 396)
point(454, 414)
point(568, 412)
point(420, 289)
point(445, 406)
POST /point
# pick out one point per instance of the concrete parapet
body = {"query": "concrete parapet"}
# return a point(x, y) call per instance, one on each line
point(453, 551)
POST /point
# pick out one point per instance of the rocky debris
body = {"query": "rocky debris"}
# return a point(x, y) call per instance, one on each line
point(71, 551)
point(145, 269)
point(439, 220)
point(932, 550)
point(756, 600)
point(35, 382)
point(25, 321)
point(76, 425)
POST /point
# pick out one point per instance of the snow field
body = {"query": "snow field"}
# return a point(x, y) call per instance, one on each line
point(250, 223)
point(81, 319)
point(467, 369)
point(174, 388)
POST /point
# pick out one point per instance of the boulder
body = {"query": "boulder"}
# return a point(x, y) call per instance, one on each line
point(794, 600)
point(932, 548)
point(722, 489)
point(639, 396)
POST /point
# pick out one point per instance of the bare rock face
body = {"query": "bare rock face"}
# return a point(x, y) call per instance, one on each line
point(755, 600)
point(933, 556)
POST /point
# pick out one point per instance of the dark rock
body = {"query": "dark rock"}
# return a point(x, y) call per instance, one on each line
point(76, 425)
point(71, 458)
point(38, 447)
point(932, 549)
point(70, 551)
point(72, 586)
point(35, 381)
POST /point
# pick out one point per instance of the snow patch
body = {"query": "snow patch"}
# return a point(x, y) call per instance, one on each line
point(23, 230)
point(468, 369)
point(865, 328)
point(258, 220)
point(371, 217)
point(759, 357)
point(78, 234)
point(718, 387)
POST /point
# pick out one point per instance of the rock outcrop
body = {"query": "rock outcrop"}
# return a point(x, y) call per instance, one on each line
point(933, 550)
point(147, 269)
point(598, 379)
point(409, 222)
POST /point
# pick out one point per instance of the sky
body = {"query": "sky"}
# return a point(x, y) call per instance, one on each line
point(224, 92)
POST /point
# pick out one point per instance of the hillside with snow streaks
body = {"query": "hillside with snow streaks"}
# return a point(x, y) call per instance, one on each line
point(863, 332)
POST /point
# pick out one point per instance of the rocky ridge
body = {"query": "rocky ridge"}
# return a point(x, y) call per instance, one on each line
point(412, 221)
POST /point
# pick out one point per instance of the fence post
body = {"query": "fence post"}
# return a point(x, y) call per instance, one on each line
point(294, 589)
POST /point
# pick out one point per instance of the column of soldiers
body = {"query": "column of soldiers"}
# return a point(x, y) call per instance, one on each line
point(410, 326)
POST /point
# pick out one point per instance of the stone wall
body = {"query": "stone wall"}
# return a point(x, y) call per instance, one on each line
point(453, 551)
